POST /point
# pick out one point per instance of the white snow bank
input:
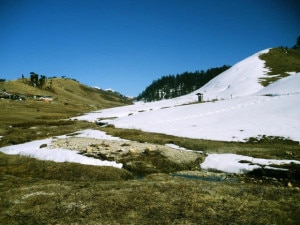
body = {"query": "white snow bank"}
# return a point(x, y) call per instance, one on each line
point(175, 146)
point(240, 80)
point(137, 107)
point(229, 120)
point(32, 149)
point(287, 85)
point(96, 134)
point(181, 148)
point(230, 163)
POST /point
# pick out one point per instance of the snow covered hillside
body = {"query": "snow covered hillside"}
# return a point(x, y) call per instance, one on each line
point(243, 108)
point(240, 80)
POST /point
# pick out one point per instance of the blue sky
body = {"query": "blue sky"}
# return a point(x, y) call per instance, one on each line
point(126, 44)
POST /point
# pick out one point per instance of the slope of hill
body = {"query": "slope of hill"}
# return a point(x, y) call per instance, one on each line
point(69, 98)
point(280, 61)
point(245, 108)
point(240, 80)
point(69, 90)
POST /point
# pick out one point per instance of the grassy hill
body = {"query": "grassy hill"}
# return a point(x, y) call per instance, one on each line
point(280, 61)
point(31, 119)
point(70, 98)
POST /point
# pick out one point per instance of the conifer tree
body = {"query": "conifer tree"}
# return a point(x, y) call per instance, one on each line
point(172, 86)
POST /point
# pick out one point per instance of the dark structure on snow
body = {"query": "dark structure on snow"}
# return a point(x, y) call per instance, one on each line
point(200, 97)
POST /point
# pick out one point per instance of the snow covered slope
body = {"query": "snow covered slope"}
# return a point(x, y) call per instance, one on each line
point(244, 108)
point(240, 80)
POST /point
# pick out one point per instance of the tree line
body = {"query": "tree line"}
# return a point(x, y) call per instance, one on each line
point(40, 81)
point(297, 45)
point(172, 86)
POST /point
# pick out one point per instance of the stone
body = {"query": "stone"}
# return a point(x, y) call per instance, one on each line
point(132, 151)
point(89, 149)
point(43, 145)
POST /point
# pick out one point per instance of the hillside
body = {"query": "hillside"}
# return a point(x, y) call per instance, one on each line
point(276, 63)
point(69, 97)
point(280, 62)
point(236, 107)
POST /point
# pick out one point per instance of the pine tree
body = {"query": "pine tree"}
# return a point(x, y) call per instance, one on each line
point(172, 86)
point(297, 45)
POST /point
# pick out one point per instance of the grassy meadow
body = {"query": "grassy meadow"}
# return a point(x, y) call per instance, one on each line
point(38, 192)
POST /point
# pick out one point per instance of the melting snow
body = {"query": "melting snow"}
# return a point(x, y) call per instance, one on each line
point(32, 149)
point(230, 163)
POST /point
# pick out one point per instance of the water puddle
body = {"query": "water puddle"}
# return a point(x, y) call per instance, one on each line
point(208, 178)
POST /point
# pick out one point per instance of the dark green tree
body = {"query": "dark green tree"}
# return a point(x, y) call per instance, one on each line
point(42, 81)
point(34, 79)
point(172, 86)
point(297, 45)
point(37, 80)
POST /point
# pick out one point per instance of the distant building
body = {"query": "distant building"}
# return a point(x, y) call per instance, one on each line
point(200, 97)
point(45, 98)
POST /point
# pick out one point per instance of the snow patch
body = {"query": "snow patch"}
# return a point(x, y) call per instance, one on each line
point(231, 163)
point(32, 149)
point(97, 134)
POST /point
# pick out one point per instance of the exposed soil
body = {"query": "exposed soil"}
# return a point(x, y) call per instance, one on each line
point(138, 158)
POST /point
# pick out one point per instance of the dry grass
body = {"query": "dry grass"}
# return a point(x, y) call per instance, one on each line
point(280, 61)
point(22, 121)
point(70, 98)
point(65, 194)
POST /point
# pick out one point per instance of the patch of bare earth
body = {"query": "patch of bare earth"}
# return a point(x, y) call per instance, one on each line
point(139, 158)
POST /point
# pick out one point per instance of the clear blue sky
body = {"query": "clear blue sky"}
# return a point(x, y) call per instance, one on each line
point(126, 44)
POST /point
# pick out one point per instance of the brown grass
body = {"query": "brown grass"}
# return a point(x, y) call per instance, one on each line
point(37, 192)
point(280, 61)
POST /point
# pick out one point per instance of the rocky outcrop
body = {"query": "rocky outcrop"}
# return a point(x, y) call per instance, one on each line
point(138, 158)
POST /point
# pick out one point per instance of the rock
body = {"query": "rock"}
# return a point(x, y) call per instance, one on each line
point(89, 149)
point(140, 167)
point(132, 151)
point(43, 145)
point(148, 150)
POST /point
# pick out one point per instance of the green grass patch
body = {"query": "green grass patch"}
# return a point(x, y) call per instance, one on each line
point(280, 61)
